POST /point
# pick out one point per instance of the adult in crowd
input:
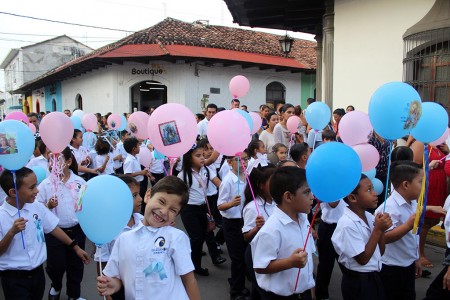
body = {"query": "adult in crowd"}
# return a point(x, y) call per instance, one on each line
point(303, 123)
point(264, 111)
point(280, 132)
point(267, 135)
point(33, 118)
point(350, 108)
point(337, 116)
point(68, 113)
point(202, 126)
point(235, 103)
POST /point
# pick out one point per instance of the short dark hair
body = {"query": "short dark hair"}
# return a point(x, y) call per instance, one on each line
point(328, 134)
point(211, 105)
point(351, 106)
point(235, 100)
point(339, 112)
point(402, 153)
point(174, 186)
point(75, 133)
point(298, 150)
point(42, 147)
point(33, 114)
point(128, 179)
point(310, 100)
point(221, 109)
point(243, 105)
point(7, 179)
point(286, 179)
point(130, 143)
point(403, 170)
point(200, 116)
point(355, 190)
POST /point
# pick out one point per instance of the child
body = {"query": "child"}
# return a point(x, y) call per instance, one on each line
point(328, 135)
point(230, 203)
point(279, 153)
point(257, 151)
point(60, 259)
point(42, 159)
point(132, 167)
point(81, 155)
point(300, 154)
point(401, 263)
point(21, 270)
point(118, 157)
point(150, 261)
point(359, 241)
point(276, 254)
point(104, 157)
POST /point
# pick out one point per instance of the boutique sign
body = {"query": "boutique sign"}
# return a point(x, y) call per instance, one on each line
point(153, 70)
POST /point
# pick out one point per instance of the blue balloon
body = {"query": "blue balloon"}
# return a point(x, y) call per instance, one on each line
point(40, 172)
point(105, 211)
point(318, 115)
point(432, 124)
point(16, 144)
point(371, 173)
point(89, 140)
point(333, 170)
point(76, 121)
point(247, 117)
point(394, 110)
point(377, 185)
point(124, 124)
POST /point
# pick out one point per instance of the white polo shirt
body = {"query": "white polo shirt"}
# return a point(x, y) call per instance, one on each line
point(332, 215)
point(67, 195)
point(202, 128)
point(403, 252)
point(106, 249)
point(227, 191)
point(132, 165)
point(150, 261)
point(117, 163)
point(278, 239)
point(212, 189)
point(100, 159)
point(197, 190)
point(249, 213)
point(39, 161)
point(350, 238)
point(40, 221)
point(80, 154)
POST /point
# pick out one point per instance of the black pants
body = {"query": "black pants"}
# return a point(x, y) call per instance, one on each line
point(435, 291)
point(327, 257)
point(399, 282)
point(271, 296)
point(143, 185)
point(23, 285)
point(232, 230)
point(256, 291)
point(158, 177)
point(62, 259)
point(361, 285)
point(194, 220)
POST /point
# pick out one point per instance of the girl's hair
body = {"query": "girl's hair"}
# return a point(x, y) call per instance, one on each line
point(297, 110)
point(263, 106)
point(355, 190)
point(102, 147)
point(339, 112)
point(403, 170)
point(187, 165)
point(253, 146)
point(67, 154)
point(202, 143)
point(270, 115)
point(257, 178)
point(277, 147)
point(286, 107)
point(200, 116)
point(75, 133)
point(402, 153)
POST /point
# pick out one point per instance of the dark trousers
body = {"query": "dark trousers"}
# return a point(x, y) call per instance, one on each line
point(361, 285)
point(399, 282)
point(23, 285)
point(256, 291)
point(435, 291)
point(210, 239)
point(232, 230)
point(327, 257)
point(194, 220)
point(62, 259)
point(143, 185)
point(158, 177)
point(271, 296)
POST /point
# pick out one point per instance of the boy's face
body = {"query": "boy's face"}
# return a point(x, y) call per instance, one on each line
point(136, 150)
point(302, 200)
point(366, 197)
point(137, 200)
point(28, 190)
point(162, 209)
point(208, 150)
point(236, 162)
point(415, 186)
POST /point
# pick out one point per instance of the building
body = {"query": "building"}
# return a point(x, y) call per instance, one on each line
point(362, 44)
point(27, 63)
point(180, 62)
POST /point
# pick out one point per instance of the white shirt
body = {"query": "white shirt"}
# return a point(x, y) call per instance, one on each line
point(332, 215)
point(117, 163)
point(202, 128)
point(39, 161)
point(212, 189)
point(268, 140)
point(40, 221)
point(100, 159)
point(227, 191)
point(106, 249)
point(350, 238)
point(67, 195)
point(132, 165)
point(249, 213)
point(447, 228)
point(281, 135)
point(157, 166)
point(224, 169)
point(197, 190)
point(122, 150)
point(403, 252)
point(80, 154)
point(135, 251)
point(278, 239)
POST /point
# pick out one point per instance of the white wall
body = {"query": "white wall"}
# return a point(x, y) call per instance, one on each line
point(368, 46)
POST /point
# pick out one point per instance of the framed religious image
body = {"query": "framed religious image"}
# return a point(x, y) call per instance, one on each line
point(8, 143)
point(169, 133)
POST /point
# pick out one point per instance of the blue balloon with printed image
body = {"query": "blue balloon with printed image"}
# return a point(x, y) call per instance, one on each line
point(16, 144)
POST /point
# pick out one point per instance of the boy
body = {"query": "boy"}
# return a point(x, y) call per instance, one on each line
point(21, 270)
point(276, 254)
point(229, 203)
point(150, 261)
point(300, 154)
point(359, 241)
point(41, 160)
point(132, 167)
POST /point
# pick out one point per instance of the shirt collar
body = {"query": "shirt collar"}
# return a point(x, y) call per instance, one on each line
point(234, 177)
point(354, 217)
point(285, 219)
point(12, 210)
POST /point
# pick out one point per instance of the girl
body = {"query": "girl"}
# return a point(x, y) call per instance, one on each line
point(279, 153)
point(337, 116)
point(256, 151)
point(104, 159)
point(280, 132)
point(81, 155)
point(267, 135)
point(303, 123)
point(60, 258)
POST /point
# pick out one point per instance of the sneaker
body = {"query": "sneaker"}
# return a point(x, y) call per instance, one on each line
point(201, 271)
point(218, 260)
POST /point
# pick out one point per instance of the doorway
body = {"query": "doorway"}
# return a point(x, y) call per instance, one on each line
point(147, 94)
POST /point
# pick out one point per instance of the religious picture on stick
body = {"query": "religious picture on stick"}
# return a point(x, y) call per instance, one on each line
point(169, 133)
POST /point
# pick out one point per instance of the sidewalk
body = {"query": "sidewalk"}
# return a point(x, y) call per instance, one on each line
point(436, 236)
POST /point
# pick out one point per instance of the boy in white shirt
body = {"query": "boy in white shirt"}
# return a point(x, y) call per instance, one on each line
point(152, 260)
point(41, 160)
point(277, 256)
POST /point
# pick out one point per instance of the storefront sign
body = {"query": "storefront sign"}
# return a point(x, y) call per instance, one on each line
point(153, 70)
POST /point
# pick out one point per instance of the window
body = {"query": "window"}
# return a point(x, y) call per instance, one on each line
point(275, 91)
point(79, 102)
point(53, 105)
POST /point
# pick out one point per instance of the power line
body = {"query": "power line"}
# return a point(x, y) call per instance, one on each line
point(63, 22)
point(56, 35)
point(58, 43)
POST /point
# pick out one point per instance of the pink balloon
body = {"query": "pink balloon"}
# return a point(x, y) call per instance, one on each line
point(239, 86)
point(257, 121)
point(355, 128)
point(56, 130)
point(145, 157)
point(32, 128)
point(172, 129)
point(228, 132)
point(114, 121)
point(442, 139)
point(17, 115)
point(292, 124)
point(368, 155)
point(137, 123)
point(89, 122)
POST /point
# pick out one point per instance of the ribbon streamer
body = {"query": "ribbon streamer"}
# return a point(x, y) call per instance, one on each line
point(17, 203)
point(250, 186)
point(386, 186)
point(421, 207)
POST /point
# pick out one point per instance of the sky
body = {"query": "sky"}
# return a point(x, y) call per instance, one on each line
point(128, 15)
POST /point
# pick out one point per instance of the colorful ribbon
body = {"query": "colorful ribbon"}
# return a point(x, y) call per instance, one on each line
point(156, 267)
point(17, 203)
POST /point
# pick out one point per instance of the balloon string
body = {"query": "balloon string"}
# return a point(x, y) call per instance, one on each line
point(239, 178)
point(425, 196)
point(250, 186)
point(172, 161)
point(386, 186)
point(306, 241)
point(54, 176)
point(291, 139)
point(17, 204)
point(165, 169)
point(99, 250)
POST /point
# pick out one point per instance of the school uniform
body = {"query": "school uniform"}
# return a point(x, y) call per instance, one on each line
point(327, 254)
point(202, 128)
point(232, 229)
point(39, 161)
point(109, 168)
point(157, 168)
point(212, 195)
point(349, 240)
point(21, 270)
point(149, 261)
point(61, 258)
point(132, 165)
point(398, 273)
point(274, 241)
point(118, 164)
point(80, 154)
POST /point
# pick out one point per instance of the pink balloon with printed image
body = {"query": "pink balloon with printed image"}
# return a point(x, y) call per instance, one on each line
point(137, 123)
point(368, 155)
point(56, 130)
point(257, 121)
point(18, 116)
point(292, 124)
point(239, 86)
point(89, 122)
point(114, 121)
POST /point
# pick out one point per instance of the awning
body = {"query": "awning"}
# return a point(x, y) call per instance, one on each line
point(15, 107)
